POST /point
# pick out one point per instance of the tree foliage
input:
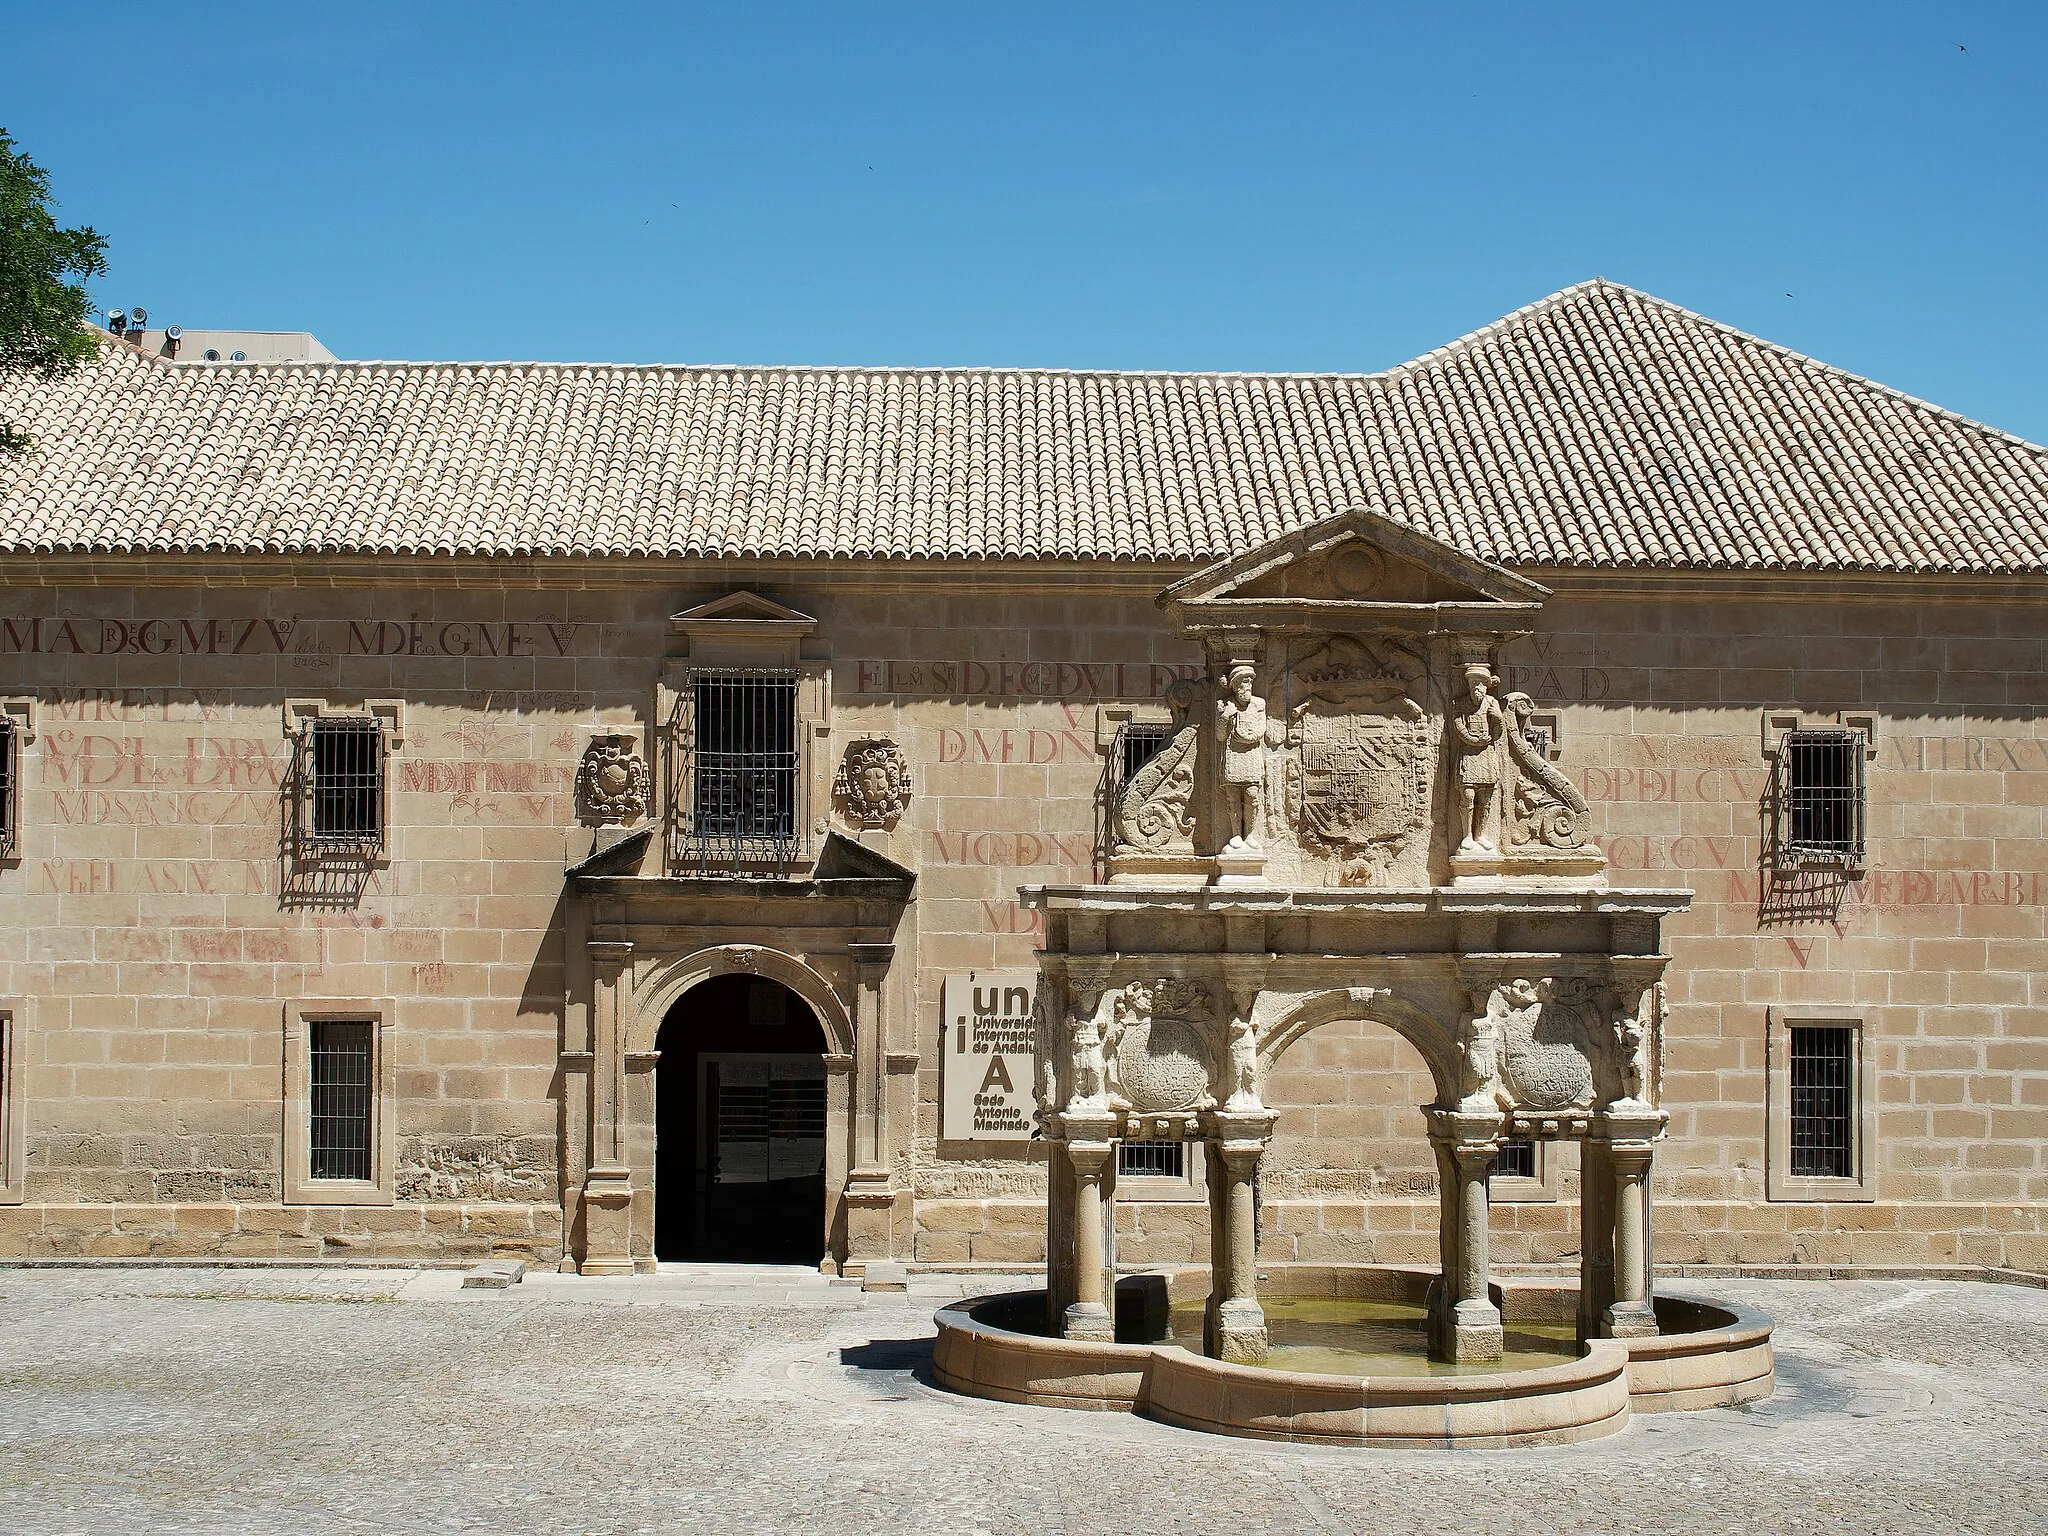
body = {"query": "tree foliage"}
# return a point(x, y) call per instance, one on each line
point(43, 270)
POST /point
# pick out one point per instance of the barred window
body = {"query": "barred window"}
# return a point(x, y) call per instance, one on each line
point(340, 1114)
point(342, 773)
point(1821, 794)
point(1516, 1160)
point(738, 769)
point(10, 786)
point(1823, 1112)
point(1137, 745)
point(1152, 1159)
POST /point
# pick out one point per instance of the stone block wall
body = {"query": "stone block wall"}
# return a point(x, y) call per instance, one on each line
point(150, 924)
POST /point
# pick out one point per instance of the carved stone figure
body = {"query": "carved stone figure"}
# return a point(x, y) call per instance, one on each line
point(1479, 1061)
point(1046, 1049)
point(1242, 729)
point(1155, 810)
point(1547, 809)
point(1477, 731)
point(1629, 1036)
point(1244, 1067)
point(1091, 1078)
point(1547, 1040)
point(872, 789)
point(611, 782)
point(1358, 779)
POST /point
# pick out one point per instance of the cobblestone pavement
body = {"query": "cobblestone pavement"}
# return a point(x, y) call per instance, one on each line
point(771, 1400)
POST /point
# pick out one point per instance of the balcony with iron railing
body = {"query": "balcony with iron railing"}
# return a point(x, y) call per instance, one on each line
point(736, 775)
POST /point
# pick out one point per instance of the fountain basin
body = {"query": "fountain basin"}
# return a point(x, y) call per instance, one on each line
point(1710, 1355)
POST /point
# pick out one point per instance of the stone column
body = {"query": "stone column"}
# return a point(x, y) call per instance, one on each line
point(1464, 1323)
point(870, 1201)
point(1240, 1321)
point(1089, 1314)
point(1475, 1333)
point(1632, 1314)
point(1443, 1295)
point(608, 1187)
point(838, 1155)
point(1239, 1141)
point(1217, 1178)
point(1596, 1237)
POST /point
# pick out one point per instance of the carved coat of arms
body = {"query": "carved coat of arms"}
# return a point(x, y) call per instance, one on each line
point(1361, 784)
point(873, 785)
point(612, 781)
point(1549, 1034)
point(1156, 1046)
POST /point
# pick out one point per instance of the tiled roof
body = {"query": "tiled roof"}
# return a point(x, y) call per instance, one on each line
point(1600, 427)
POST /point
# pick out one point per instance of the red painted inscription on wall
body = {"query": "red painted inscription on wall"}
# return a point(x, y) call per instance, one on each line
point(412, 636)
point(1022, 679)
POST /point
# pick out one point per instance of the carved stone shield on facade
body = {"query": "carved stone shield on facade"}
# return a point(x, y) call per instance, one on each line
point(1158, 1046)
point(612, 781)
point(1549, 1031)
point(873, 785)
point(1360, 787)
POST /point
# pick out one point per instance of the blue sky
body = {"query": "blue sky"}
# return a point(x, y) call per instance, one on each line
point(1298, 187)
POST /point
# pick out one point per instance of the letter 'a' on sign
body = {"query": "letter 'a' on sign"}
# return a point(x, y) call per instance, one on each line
point(991, 1056)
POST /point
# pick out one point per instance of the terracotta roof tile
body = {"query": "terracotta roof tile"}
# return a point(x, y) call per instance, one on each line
point(1600, 427)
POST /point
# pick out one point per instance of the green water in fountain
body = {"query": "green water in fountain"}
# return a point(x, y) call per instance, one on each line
point(1374, 1338)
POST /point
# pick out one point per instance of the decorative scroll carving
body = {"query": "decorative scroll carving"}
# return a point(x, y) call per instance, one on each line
point(1156, 811)
point(1547, 808)
point(1158, 1057)
point(611, 782)
point(1360, 786)
point(1548, 1031)
point(872, 789)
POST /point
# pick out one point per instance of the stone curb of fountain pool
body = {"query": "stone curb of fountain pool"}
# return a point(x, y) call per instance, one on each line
point(1713, 1355)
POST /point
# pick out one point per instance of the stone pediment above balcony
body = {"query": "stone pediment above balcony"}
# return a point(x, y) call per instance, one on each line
point(743, 626)
point(1357, 570)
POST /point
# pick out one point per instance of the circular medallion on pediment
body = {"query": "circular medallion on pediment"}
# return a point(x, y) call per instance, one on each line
point(1356, 569)
point(1161, 1065)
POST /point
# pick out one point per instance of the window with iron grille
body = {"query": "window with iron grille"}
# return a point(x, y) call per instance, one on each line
point(1820, 795)
point(1515, 1160)
point(737, 772)
point(10, 782)
point(341, 1116)
point(1137, 745)
point(341, 772)
point(1822, 1061)
point(1152, 1159)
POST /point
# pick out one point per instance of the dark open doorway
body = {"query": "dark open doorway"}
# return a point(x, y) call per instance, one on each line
point(740, 1126)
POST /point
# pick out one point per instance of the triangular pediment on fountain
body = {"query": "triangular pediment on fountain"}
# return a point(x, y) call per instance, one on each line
point(1355, 568)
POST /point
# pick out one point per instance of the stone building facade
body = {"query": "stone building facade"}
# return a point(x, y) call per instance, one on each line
point(707, 723)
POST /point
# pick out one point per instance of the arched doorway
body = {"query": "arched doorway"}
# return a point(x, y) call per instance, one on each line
point(740, 1125)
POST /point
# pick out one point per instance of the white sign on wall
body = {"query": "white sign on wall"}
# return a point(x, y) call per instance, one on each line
point(991, 1056)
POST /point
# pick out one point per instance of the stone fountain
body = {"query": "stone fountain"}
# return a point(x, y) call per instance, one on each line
point(1350, 820)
